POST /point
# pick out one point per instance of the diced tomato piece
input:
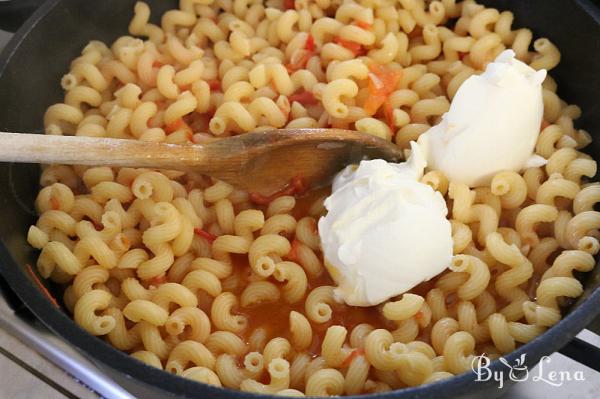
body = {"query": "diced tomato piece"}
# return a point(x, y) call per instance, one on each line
point(158, 280)
point(303, 97)
point(373, 102)
point(214, 84)
point(417, 31)
point(260, 199)
point(179, 124)
point(388, 111)
point(381, 84)
point(313, 226)
point(353, 355)
point(289, 4)
point(126, 241)
point(293, 254)
point(363, 25)
point(150, 122)
point(376, 68)
point(390, 80)
point(354, 47)
point(41, 286)
point(300, 63)
point(310, 43)
point(461, 55)
point(54, 204)
point(544, 124)
point(197, 122)
point(297, 186)
point(300, 185)
point(205, 234)
point(157, 64)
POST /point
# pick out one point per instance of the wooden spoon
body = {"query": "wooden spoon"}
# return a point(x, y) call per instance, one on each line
point(260, 162)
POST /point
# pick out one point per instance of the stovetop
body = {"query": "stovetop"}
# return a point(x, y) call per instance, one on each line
point(62, 368)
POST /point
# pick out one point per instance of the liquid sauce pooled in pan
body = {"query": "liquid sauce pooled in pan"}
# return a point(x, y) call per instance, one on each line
point(274, 317)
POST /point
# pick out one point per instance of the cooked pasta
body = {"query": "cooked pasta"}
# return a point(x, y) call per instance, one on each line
point(228, 288)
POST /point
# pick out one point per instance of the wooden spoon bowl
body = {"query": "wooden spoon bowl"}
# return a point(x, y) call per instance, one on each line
point(259, 162)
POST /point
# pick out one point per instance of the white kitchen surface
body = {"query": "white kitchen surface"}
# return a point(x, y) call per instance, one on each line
point(588, 389)
point(25, 374)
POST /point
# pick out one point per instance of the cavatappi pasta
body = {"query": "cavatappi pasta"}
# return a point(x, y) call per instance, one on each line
point(228, 288)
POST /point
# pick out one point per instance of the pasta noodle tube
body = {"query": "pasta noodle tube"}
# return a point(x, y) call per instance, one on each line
point(226, 342)
point(279, 371)
point(318, 304)
point(85, 312)
point(554, 187)
point(326, 382)
point(332, 348)
point(230, 373)
point(458, 352)
point(529, 217)
point(550, 289)
point(141, 309)
point(259, 292)
point(259, 255)
point(185, 104)
point(121, 337)
point(186, 352)
point(500, 333)
point(416, 366)
point(231, 110)
point(511, 188)
point(333, 93)
point(169, 293)
point(403, 309)
point(479, 275)
point(381, 350)
point(541, 315)
point(301, 331)
point(296, 282)
point(568, 261)
point(202, 280)
point(222, 317)
point(203, 375)
point(148, 358)
point(581, 224)
point(55, 254)
point(586, 198)
point(192, 317)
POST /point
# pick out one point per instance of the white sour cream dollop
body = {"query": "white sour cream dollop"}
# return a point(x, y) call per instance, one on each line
point(385, 232)
point(492, 125)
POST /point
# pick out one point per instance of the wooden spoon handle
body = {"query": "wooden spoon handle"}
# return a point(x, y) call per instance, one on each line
point(78, 150)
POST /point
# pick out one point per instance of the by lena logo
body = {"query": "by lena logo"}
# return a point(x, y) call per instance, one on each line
point(519, 372)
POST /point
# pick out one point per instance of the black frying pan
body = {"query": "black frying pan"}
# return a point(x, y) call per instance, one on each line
point(39, 54)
